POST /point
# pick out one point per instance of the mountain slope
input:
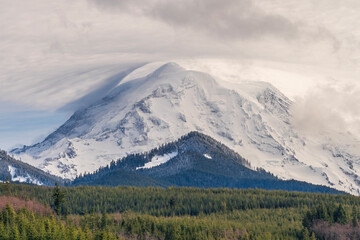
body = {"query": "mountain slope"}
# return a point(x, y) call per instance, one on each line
point(17, 171)
point(164, 103)
point(195, 160)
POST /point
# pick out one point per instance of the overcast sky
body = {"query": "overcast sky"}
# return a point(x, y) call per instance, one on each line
point(57, 55)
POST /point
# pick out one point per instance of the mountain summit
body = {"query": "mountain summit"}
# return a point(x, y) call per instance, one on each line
point(160, 105)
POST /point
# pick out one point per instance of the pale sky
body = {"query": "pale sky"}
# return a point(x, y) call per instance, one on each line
point(58, 55)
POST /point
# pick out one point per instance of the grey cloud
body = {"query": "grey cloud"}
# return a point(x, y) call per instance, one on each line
point(234, 19)
point(328, 109)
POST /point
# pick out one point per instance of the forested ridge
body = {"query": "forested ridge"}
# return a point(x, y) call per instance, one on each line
point(181, 213)
point(200, 161)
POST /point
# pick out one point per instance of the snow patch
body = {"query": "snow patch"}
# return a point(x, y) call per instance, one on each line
point(158, 160)
point(27, 179)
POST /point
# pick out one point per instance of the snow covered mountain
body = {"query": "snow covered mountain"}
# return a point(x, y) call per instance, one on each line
point(155, 105)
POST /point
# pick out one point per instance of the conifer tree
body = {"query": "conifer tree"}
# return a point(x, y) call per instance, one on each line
point(313, 237)
point(340, 215)
point(7, 184)
point(172, 203)
point(58, 198)
point(305, 234)
point(354, 217)
point(103, 219)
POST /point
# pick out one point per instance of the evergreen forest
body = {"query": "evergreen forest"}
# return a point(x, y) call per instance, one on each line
point(96, 212)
